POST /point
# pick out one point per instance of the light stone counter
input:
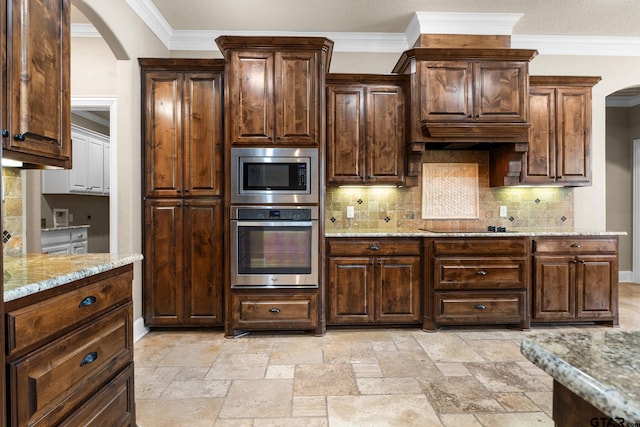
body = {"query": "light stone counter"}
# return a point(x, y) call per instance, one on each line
point(603, 368)
point(537, 232)
point(33, 273)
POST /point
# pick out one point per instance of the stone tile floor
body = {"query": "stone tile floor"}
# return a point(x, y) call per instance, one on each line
point(355, 377)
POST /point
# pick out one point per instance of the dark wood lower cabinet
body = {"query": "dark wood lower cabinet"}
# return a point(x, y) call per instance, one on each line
point(575, 279)
point(183, 262)
point(381, 288)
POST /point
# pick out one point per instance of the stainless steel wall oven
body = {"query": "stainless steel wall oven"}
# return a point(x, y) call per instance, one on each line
point(274, 247)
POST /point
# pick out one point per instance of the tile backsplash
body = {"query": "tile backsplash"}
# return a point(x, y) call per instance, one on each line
point(388, 209)
point(12, 211)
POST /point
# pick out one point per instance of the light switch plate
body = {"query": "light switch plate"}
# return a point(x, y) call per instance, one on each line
point(503, 211)
point(350, 212)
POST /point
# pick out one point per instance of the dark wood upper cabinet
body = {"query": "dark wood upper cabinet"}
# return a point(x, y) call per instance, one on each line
point(365, 129)
point(560, 136)
point(183, 128)
point(36, 103)
point(275, 89)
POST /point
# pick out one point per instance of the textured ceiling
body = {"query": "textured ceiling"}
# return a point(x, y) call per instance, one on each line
point(540, 17)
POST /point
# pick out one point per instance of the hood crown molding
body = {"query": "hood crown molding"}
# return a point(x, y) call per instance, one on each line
point(421, 23)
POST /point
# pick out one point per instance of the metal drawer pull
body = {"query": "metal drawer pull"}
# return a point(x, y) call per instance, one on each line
point(575, 245)
point(274, 310)
point(481, 273)
point(89, 358)
point(481, 306)
point(87, 301)
point(374, 247)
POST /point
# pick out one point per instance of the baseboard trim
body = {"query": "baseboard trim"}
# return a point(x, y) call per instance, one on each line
point(625, 276)
point(139, 330)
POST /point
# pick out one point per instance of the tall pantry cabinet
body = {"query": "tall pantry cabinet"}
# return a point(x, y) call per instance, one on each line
point(182, 160)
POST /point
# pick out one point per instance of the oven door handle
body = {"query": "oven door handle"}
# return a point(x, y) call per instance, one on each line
point(274, 223)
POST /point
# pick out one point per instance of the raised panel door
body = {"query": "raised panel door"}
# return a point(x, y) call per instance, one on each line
point(345, 134)
point(350, 291)
point(296, 98)
point(446, 91)
point(539, 162)
point(163, 154)
point(573, 109)
point(203, 134)
point(203, 261)
point(163, 262)
point(94, 163)
point(554, 287)
point(397, 289)
point(38, 126)
point(79, 174)
point(597, 287)
point(250, 102)
point(384, 135)
point(500, 91)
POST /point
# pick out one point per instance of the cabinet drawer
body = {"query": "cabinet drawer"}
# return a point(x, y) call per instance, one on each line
point(492, 273)
point(79, 234)
point(568, 245)
point(466, 308)
point(112, 405)
point(54, 237)
point(374, 247)
point(480, 246)
point(37, 322)
point(59, 376)
point(275, 312)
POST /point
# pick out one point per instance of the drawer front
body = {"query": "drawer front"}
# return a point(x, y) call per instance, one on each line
point(467, 308)
point(569, 245)
point(279, 312)
point(481, 246)
point(55, 237)
point(496, 273)
point(59, 376)
point(79, 234)
point(112, 405)
point(373, 247)
point(38, 322)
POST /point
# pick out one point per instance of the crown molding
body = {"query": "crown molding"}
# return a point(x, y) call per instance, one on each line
point(421, 23)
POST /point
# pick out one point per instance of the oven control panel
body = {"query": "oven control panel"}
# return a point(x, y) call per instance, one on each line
point(274, 214)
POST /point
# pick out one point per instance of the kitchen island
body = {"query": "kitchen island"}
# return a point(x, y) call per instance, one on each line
point(69, 339)
point(596, 376)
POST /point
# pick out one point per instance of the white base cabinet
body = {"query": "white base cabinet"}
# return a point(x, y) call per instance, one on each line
point(69, 241)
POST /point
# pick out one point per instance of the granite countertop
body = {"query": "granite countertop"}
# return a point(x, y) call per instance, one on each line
point(68, 227)
point(601, 367)
point(534, 232)
point(25, 275)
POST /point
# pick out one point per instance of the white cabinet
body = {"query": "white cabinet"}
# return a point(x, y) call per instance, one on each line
point(69, 241)
point(90, 172)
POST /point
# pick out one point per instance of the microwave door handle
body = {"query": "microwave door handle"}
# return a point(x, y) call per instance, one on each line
point(274, 223)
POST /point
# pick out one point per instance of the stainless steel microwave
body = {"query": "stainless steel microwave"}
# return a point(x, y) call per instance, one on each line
point(274, 175)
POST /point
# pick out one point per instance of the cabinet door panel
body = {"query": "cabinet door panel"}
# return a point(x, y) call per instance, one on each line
point(446, 91)
point(38, 82)
point(79, 174)
point(203, 255)
point(350, 290)
point(500, 91)
point(345, 136)
point(163, 155)
point(397, 289)
point(203, 134)
point(554, 291)
point(163, 282)
point(574, 124)
point(296, 98)
point(597, 288)
point(385, 136)
point(539, 162)
point(251, 103)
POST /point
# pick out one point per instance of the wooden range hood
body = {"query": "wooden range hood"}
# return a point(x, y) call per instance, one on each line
point(470, 93)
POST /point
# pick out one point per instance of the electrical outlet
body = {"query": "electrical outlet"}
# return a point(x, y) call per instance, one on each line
point(503, 211)
point(350, 212)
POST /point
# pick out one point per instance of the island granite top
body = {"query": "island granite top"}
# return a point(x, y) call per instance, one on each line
point(603, 368)
point(26, 275)
point(533, 232)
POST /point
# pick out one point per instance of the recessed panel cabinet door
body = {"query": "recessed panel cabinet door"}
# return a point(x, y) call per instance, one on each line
point(203, 261)
point(554, 287)
point(539, 162)
point(38, 127)
point(350, 290)
point(446, 91)
point(163, 271)
point(397, 289)
point(597, 286)
point(574, 134)
point(500, 91)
